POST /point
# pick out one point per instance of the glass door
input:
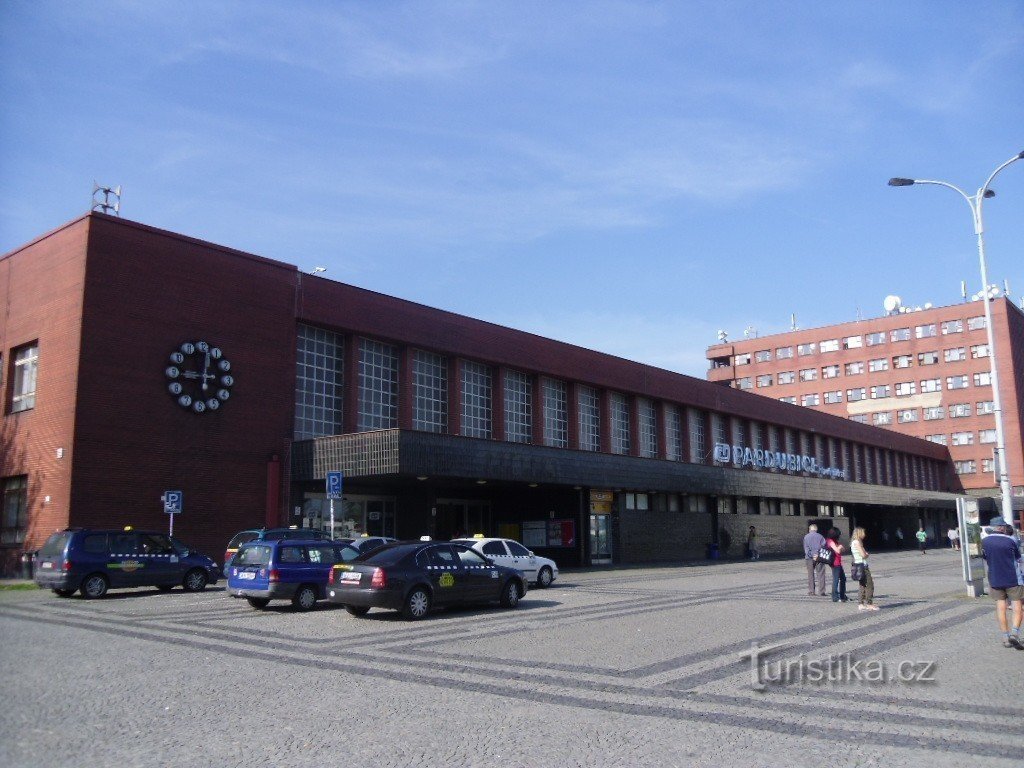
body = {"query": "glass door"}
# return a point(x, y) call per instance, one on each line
point(600, 539)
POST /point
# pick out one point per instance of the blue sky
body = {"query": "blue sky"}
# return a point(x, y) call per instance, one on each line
point(627, 176)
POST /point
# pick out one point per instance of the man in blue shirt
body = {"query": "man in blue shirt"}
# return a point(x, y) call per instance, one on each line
point(1005, 579)
point(814, 541)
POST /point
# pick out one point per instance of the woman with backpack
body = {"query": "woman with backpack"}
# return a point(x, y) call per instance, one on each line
point(838, 574)
point(862, 571)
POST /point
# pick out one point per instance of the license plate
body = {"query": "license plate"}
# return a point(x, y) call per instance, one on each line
point(46, 566)
point(350, 578)
point(247, 575)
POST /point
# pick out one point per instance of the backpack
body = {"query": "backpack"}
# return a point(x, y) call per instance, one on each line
point(826, 556)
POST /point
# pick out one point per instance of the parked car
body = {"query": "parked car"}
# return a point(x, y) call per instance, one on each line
point(509, 552)
point(369, 543)
point(269, 534)
point(285, 569)
point(95, 560)
point(413, 577)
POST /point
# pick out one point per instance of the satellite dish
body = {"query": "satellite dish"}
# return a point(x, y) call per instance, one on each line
point(891, 303)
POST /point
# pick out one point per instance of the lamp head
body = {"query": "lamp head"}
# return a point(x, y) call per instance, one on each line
point(898, 182)
point(989, 193)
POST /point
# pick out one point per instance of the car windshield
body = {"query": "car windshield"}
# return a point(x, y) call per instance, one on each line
point(389, 555)
point(54, 546)
point(253, 555)
point(240, 538)
point(464, 542)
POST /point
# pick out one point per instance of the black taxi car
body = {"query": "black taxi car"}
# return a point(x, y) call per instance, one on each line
point(413, 577)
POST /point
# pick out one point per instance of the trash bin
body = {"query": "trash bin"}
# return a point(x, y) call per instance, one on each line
point(28, 562)
point(712, 551)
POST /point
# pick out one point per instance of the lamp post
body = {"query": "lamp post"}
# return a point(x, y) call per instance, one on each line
point(975, 202)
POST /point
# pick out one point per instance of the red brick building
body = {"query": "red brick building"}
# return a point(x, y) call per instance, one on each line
point(924, 372)
point(136, 361)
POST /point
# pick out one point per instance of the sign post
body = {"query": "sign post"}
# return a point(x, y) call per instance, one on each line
point(334, 482)
point(967, 521)
point(173, 505)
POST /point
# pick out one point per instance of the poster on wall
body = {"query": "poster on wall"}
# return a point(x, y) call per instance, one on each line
point(535, 534)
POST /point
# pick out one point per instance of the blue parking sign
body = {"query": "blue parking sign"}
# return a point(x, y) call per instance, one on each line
point(334, 485)
point(173, 502)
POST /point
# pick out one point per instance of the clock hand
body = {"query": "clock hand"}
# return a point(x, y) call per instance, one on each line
point(206, 367)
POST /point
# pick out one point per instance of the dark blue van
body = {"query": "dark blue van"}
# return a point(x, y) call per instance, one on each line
point(93, 561)
point(285, 569)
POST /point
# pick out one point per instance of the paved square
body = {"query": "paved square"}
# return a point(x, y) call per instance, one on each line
point(638, 666)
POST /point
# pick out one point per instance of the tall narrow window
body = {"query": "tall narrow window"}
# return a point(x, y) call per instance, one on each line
point(26, 363)
point(14, 513)
point(378, 385)
point(590, 419)
point(620, 424)
point(518, 407)
point(430, 391)
point(476, 400)
point(698, 444)
point(556, 416)
point(319, 379)
point(648, 424)
point(673, 433)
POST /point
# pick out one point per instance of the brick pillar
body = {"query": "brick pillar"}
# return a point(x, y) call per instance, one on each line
point(405, 388)
point(537, 412)
point(606, 420)
point(351, 396)
point(572, 412)
point(454, 396)
point(498, 404)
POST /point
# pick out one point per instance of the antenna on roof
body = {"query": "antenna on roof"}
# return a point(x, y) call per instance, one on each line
point(105, 205)
point(963, 289)
point(892, 304)
point(750, 332)
point(722, 337)
point(792, 322)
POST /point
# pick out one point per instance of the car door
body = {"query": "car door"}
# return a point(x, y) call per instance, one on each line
point(481, 577)
point(162, 563)
point(446, 574)
point(523, 559)
point(124, 566)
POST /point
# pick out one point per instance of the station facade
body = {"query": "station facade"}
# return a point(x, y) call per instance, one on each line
point(137, 361)
point(922, 372)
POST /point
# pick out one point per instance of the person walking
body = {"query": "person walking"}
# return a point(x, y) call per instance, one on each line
point(899, 537)
point(867, 584)
point(813, 542)
point(922, 539)
point(956, 538)
point(1005, 579)
point(838, 574)
point(752, 552)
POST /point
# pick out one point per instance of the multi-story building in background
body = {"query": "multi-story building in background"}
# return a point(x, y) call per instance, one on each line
point(922, 372)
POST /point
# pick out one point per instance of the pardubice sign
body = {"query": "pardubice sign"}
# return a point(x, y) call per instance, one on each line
point(787, 462)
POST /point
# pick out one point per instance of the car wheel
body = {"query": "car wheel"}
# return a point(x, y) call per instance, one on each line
point(544, 578)
point(94, 586)
point(305, 598)
point(358, 610)
point(510, 594)
point(195, 580)
point(417, 604)
point(63, 592)
point(165, 587)
point(259, 603)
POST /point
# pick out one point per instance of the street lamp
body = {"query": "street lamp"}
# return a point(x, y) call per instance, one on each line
point(975, 201)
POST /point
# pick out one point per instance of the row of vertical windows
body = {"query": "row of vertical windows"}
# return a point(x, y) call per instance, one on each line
point(320, 380)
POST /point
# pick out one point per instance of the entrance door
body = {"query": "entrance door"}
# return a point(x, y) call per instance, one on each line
point(459, 518)
point(600, 539)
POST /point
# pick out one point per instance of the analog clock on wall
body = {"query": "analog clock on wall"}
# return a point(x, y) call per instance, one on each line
point(199, 376)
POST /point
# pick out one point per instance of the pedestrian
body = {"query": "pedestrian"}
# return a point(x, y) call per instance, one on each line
point(867, 584)
point(885, 538)
point(752, 551)
point(1005, 579)
point(899, 537)
point(955, 535)
point(838, 574)
point(813, 542)
point(922, 539)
